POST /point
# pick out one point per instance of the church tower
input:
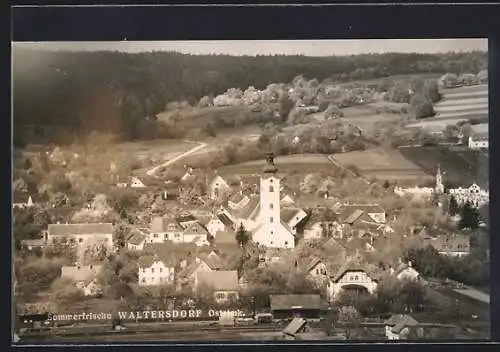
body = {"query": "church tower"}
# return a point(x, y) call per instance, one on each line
point(439, 182)
point(270, 196)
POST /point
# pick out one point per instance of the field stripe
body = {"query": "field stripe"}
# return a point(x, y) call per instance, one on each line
point(453, 102)
point(461, 107)
point(462, 114)
point(464, 95)
point(467, 89)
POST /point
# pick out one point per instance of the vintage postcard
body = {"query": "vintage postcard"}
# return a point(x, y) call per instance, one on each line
point(332, 190)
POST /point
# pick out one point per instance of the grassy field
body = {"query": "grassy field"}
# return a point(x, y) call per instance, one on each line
point(460, 167)
point(381, 163)
point(458, 104)
point(292, 164)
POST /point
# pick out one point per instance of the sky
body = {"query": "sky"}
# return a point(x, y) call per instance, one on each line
point(280, 47)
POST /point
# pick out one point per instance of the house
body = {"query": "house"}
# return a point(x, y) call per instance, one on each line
point(457, 245)
point(225, 241)
point(479, 137)
point(136, 182)
point(287, 199)
point(34, 243)
point(136, 240)
point(405, 271)
point(318, 227)
point(195, 233)
point(359, 214)
point(165, 229)
point(81, 234)
point(292, 217)
point(314, 268)
point(238, 200)
point(218, 187)
point(352, 275)
point(23, 200)
point(156, 269)
point(85, 278)
point(399, 327)
point(212, 260)
point(187, 275)
point(290, 306)
point(224, 284)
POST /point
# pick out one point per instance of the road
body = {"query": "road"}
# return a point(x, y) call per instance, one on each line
point(199, 147)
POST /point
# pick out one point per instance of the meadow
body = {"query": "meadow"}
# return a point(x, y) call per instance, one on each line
point(458, 104)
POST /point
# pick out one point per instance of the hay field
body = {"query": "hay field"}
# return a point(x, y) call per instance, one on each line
point(380, 163)
point(458, 104)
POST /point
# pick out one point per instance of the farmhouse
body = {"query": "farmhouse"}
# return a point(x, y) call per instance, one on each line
point(178, 230)
point(292, 217)
point(224, 284)
point(218, 187)
point(187, 276)
point(319, 227)
point(218, 224)
point(81, 234)
point(351, 276)
point(85, 278)
point(479, 137)
point(195, 233)
point(314, 268)
point(136, 240)
point(457, 245)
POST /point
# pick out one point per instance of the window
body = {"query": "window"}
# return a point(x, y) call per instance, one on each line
point(272, 232)
point(144, 270)
point(220, 296)
point(271, 219)
point(161, 270)
point(286, 243)
point(317, 271)
point(356, 278)
point(152, 270)
point(155, 235)
point(143, 280)
point(166, 236)
point(271, 189)
point(80, 240)
point(271, 205)
point(177, 235)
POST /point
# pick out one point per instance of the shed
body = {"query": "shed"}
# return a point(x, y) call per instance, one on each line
point(290, 306)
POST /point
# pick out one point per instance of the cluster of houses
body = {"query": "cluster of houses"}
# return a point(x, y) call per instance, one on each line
point(473, 194)
point(187, 251)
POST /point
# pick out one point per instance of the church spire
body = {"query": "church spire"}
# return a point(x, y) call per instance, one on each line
point(270, 167)
point(439, 181)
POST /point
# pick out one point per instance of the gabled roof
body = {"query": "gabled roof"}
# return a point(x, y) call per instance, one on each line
point(220, 280)
point(168, 252)
point(352, 265)
point(285, 302)
point(213, 261)
point(137, 237)
point(225, 219)
point(348, 210)
point(195, 228)
point(399, 321)
point(85, 273)
point(217, 177)
point(225, 237)
point(162, 224)
point(353, 216)
point(80, 229)
point(249, 209)
point(237, 197)
point(186, 217)
point(287, 214)
point(309, 263)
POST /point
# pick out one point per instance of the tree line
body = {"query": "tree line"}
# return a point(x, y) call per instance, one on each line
point(60, 97)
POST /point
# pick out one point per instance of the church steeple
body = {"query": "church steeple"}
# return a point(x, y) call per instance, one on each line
point(270, 167)
point(439, 181)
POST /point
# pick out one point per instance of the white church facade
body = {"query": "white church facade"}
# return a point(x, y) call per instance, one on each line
point(262, 215)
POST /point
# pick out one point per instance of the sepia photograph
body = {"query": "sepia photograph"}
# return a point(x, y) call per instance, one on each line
point(251, 190)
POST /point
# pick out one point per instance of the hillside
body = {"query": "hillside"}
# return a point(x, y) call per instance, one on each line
point(60, 97)
point(461, 167)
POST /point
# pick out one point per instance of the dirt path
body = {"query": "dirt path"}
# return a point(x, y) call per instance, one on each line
point(199, 147)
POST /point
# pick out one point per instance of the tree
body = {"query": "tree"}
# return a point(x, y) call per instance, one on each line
point(387, 184)
point(453, 206)
point(469, 218)
point(65, 290)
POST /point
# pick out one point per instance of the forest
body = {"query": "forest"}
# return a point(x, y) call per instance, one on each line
point(59, 97)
